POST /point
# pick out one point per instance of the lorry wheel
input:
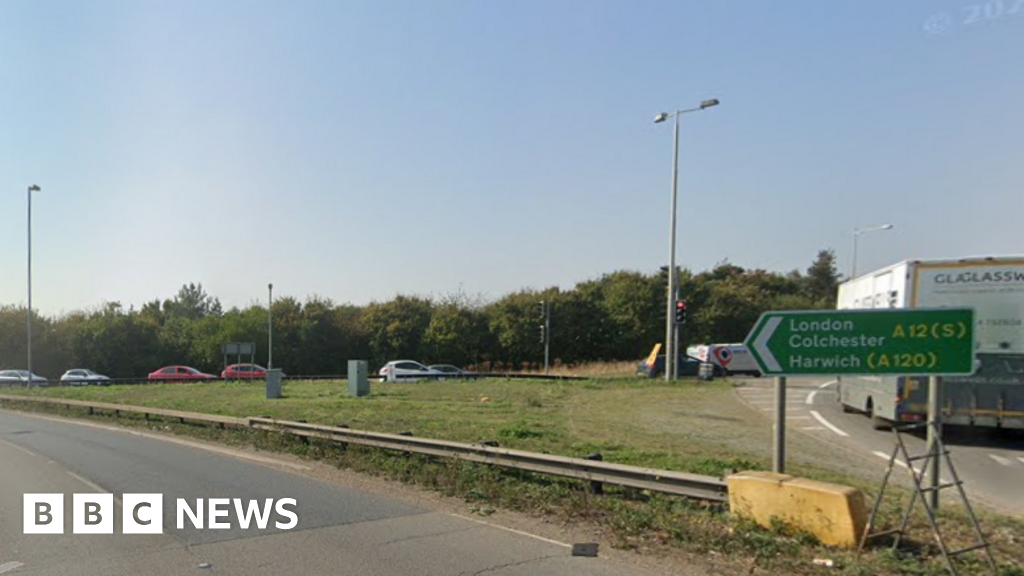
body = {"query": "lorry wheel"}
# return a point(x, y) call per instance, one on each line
point(847, 409)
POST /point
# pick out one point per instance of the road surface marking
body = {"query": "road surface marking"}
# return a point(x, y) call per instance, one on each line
point(886, 457)
point(171, 439)
point(88, 482)
point(1001, 459)
point(813, 393)
point(513, 530)
point(812, 427)
point(22, 448)
point(1021, 458)
point(827, 424)
point(7, 567)
point(799, 417)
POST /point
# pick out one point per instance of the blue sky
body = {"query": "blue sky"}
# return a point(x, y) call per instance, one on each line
point(357, 150)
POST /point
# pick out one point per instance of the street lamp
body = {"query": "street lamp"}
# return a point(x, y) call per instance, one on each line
point(31, 189)
point(670, 348)
point(270, 326)
point(857, 232)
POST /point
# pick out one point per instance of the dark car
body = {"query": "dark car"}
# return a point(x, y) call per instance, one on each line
point(688, 366)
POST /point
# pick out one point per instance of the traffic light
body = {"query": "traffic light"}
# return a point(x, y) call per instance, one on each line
point(542, 339)
point(542, 309)
point(680, 312)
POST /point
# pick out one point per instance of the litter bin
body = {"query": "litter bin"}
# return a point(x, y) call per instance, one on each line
point(273, 383)
point(358, 381)
point(706, 371)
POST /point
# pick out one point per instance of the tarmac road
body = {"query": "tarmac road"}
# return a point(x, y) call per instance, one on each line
point(340, 530)
point(991, 464)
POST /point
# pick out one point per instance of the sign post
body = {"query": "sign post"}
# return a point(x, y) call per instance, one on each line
point(905, 342)
point(934, 433)
point(779, 430)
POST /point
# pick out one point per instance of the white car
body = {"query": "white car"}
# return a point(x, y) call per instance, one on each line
point(82, 376)
point(10, 377)
point(408, 371)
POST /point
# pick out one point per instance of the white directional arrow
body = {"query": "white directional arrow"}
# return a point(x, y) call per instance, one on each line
point(761, 344)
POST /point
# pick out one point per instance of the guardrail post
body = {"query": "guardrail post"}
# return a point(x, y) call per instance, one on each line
point(596, 487)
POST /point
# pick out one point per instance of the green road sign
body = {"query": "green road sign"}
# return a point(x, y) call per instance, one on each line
point(938, 341)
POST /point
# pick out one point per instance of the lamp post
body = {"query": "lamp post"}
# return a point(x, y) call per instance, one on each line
point(670, 351)
point(31, 189)
point(270, 326)
point(856, 233)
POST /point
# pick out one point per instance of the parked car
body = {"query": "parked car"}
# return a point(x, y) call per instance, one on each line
point(455, 371)
point(180, 373)
point(244, 371)
point(11, 377)
point(408, 371)
point(688, 366)
point(83, 376)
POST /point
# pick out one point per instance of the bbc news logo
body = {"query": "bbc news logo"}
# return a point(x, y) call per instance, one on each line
point(143, 513)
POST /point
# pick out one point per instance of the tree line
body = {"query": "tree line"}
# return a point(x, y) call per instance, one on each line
point(618, 316)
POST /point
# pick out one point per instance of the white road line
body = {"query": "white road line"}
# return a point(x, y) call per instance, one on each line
point(813, 393)
point(7, 567)
point(899, 463)
point(1021, 458)
point(512, 530)
point(799, 417)
point(812, 427)
point(881, 454)
point(88, 482)
point(1001, 459)
point(94, 486)
point(22, 448)
point(827, 424)
point(173, 440)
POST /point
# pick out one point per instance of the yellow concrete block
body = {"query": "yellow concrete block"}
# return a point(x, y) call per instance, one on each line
point(834, 513)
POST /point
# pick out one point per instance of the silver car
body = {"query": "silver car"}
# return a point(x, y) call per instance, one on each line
point(82, 377)
point(407, 371)
point(11, 377)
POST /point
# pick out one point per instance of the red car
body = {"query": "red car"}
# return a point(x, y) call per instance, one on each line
point(179, 373)
point(241, 371)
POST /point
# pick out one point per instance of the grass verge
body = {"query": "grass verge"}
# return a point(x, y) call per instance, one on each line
point(689, 426)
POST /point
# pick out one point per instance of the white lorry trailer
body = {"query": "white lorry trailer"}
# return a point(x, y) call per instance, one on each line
point(731, 358)
point(991, 397)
